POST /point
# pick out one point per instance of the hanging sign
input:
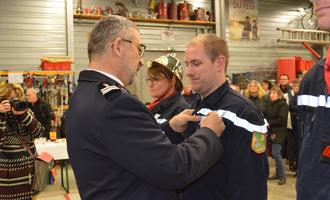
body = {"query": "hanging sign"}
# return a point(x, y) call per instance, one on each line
point(243, 20)
point(15, 77)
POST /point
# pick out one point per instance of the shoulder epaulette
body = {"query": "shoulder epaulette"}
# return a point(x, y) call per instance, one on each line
point(106, 88)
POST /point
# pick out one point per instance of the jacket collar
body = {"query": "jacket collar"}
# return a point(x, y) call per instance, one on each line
point(95, 76)
point(215, 97)
point(167, 102)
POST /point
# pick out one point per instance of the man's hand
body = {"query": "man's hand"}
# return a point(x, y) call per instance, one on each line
point(214, 122)
point(179, 122)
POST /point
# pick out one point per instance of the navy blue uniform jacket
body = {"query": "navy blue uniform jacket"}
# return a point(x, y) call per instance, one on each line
point(168, 108)
point(241, 173)
point(314, 112)
point(118, 151)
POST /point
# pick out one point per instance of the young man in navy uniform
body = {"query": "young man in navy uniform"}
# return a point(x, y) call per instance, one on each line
point(314, 112)
point(243, 170)
point(116, 147)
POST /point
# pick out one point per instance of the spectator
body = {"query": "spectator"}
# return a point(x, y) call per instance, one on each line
point(256, 94)
point(294, 138)
point(276, 114)
point(41, 109)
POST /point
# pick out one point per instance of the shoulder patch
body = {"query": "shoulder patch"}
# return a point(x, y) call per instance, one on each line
point(106, 89)
point(258, 143)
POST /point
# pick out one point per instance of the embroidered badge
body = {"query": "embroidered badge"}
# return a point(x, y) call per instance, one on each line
point(258, 143)
point(325, 154)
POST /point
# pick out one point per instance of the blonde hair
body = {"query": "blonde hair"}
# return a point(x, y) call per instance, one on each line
point(6, 90)
point(261, 91)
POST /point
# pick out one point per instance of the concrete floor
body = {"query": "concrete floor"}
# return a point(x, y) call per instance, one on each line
point(275, 191)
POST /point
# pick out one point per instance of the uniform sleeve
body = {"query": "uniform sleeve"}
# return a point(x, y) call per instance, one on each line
point(136, 142)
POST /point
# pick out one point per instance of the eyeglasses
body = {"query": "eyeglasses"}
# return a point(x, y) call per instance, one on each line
point(141, 47)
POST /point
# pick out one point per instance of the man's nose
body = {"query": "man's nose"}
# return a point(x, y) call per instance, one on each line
point(188, 70)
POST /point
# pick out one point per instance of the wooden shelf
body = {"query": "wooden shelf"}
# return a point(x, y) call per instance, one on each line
point(97, 17)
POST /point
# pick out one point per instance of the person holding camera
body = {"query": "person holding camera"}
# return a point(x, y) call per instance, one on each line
point(18, 128)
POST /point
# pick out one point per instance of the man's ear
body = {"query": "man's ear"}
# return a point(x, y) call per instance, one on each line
point(117, 47)
point(221, 63)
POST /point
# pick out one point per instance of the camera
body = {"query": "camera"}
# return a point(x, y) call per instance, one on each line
point(18, 105)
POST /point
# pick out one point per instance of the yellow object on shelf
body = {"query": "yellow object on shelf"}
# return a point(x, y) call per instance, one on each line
point(52, 135)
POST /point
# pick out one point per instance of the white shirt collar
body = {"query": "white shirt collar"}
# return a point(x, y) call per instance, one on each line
point(108, 75)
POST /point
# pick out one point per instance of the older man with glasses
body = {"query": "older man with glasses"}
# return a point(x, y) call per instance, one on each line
point(116, 147)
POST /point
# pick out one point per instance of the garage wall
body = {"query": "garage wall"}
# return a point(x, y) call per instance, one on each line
point(244, 56)
point(31, 29)
point(251, 56)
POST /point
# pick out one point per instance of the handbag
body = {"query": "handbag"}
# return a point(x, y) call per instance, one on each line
point(43, 163)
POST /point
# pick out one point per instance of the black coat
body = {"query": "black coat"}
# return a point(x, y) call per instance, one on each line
point(168, 108)
point(44, 114)
point(241, 173)
point(277, 116)
point(260, 103)
point(118, 150)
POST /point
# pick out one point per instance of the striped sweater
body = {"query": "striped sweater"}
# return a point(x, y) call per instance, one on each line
point(16, 165)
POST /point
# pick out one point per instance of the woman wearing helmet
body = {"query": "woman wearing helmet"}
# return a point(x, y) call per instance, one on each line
point(164, 80)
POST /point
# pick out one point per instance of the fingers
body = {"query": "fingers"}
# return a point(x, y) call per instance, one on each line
point(214, 122)
point(5, 106)
point(179, 122)
point(193, 118)
point(188, 111)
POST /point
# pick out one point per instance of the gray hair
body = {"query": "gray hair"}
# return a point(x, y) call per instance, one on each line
point(34, 90)
point(105, 31)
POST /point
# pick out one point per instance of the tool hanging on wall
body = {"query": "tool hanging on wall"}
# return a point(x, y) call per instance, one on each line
point(79, 9)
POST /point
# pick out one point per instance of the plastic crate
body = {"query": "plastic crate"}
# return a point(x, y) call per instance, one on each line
point(56, 63)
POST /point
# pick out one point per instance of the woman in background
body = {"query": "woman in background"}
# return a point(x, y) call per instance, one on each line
point(165, 86)
point(256, 94)
point(17, 125)
point(276, 115)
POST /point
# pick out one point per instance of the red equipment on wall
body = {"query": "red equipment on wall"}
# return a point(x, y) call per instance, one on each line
point(293, 65)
